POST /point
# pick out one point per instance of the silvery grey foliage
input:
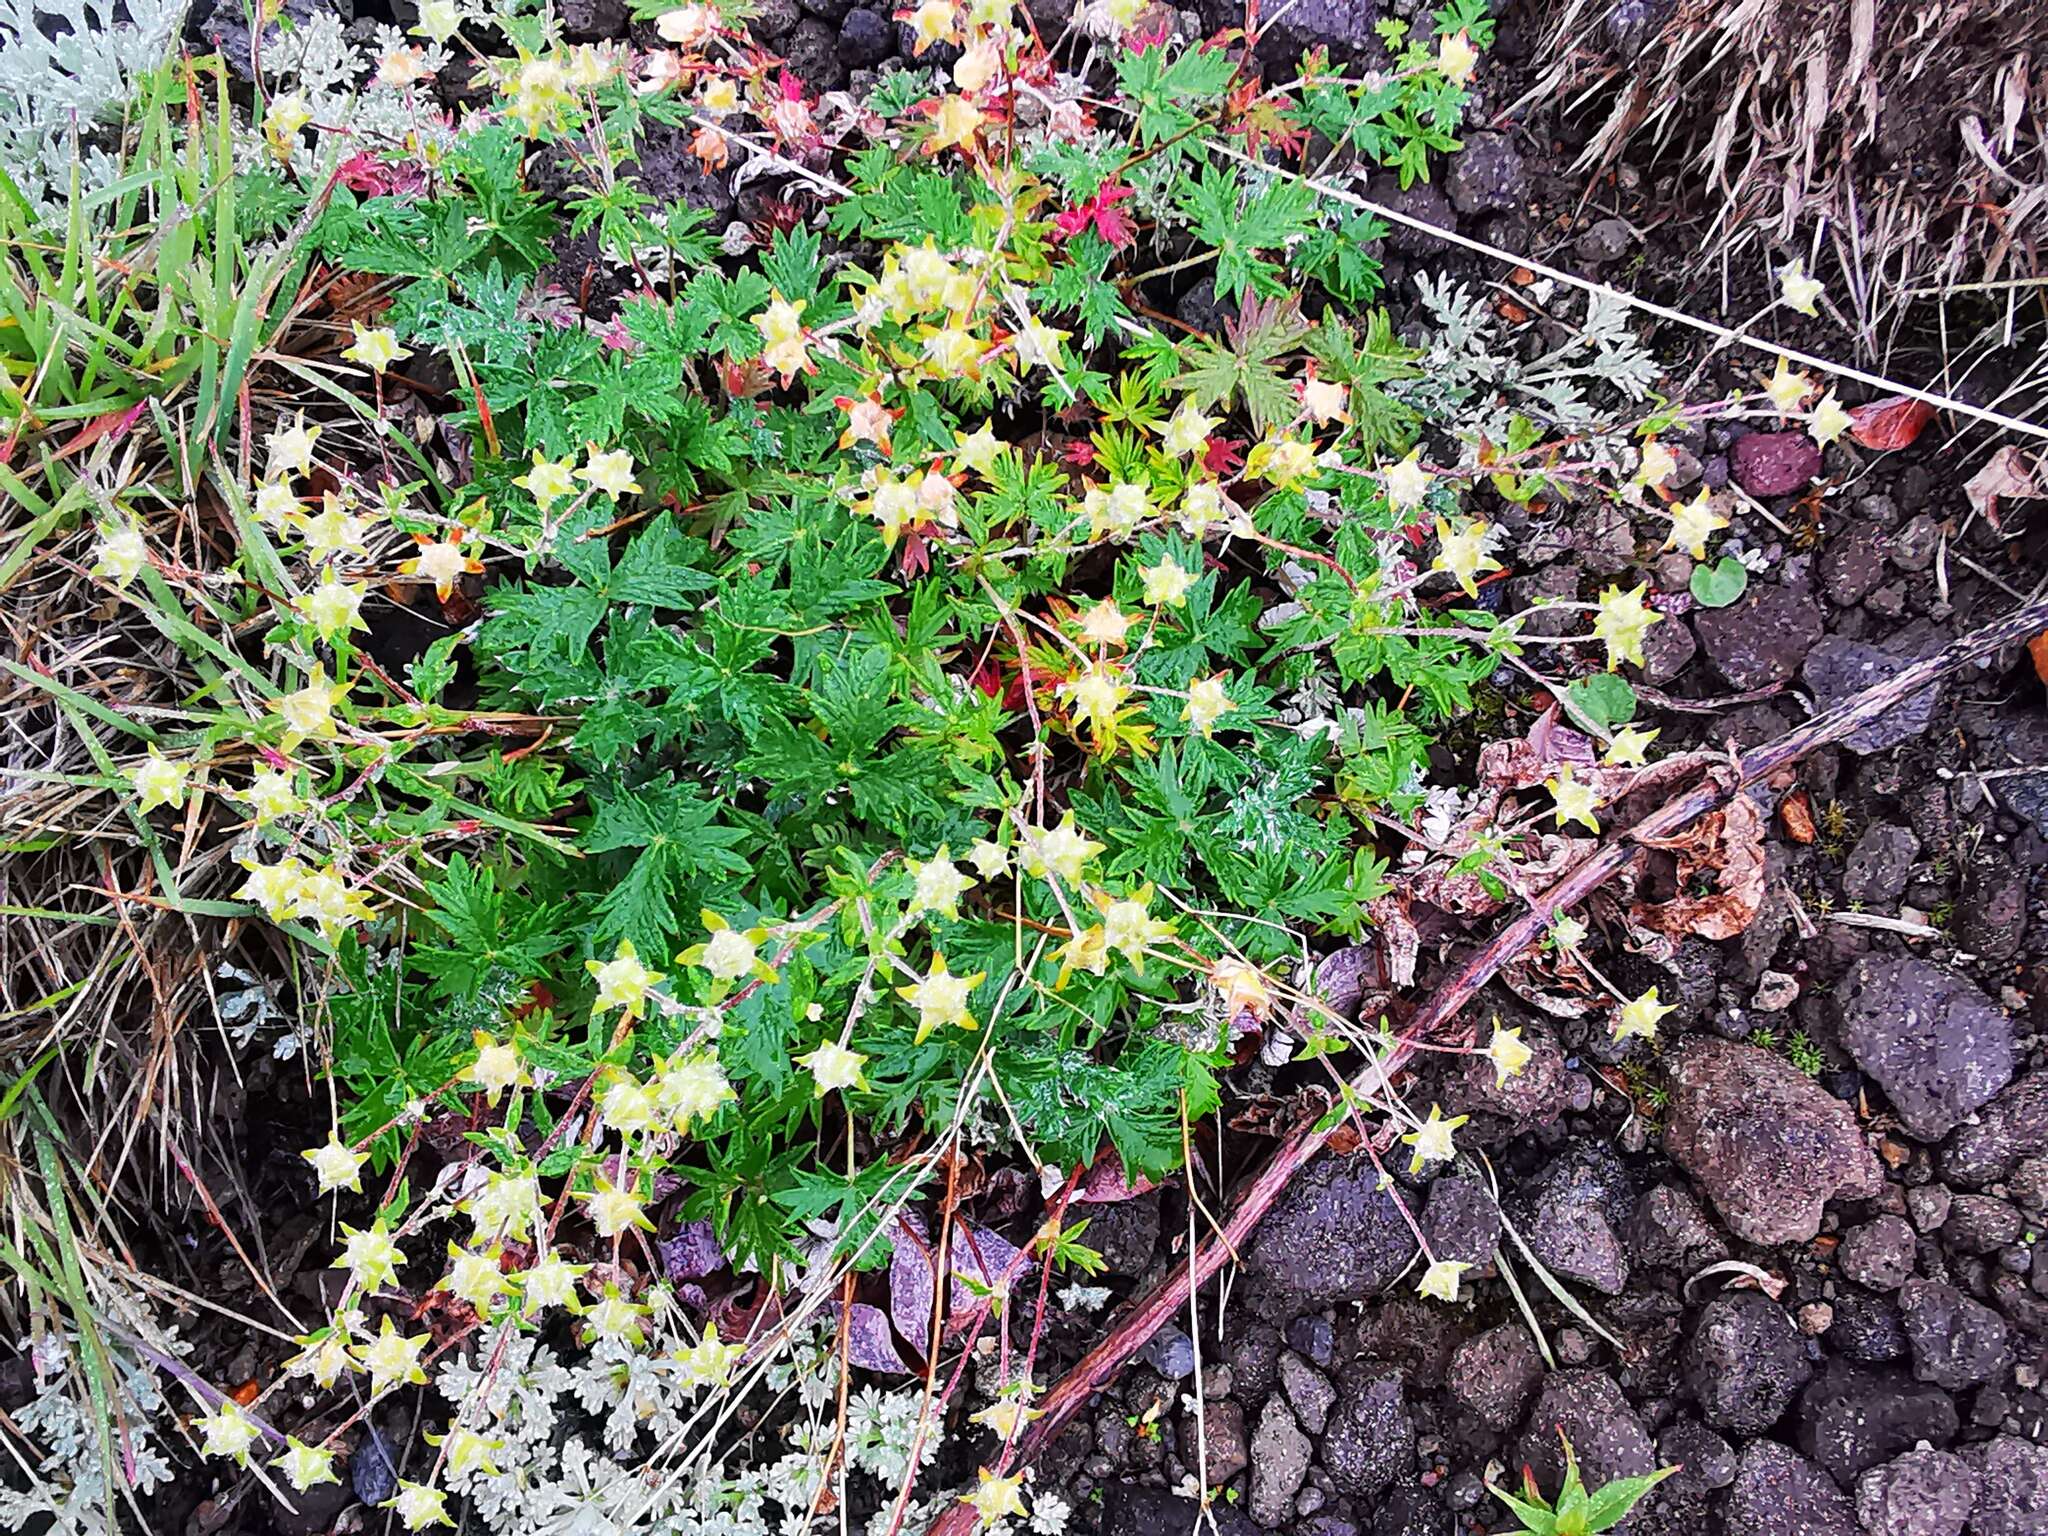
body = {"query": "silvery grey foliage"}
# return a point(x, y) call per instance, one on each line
point(56, 90)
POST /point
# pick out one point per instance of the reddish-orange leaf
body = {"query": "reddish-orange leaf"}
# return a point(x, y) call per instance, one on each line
point(1889, 424)
point(2038, 649)
point(1797, 815)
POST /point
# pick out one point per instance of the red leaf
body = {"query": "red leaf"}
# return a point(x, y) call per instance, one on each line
point(1100, 213)
point(915, 557)
point(1889, 424)
point(1223, 456)
point(113, 426)
point(365, 172)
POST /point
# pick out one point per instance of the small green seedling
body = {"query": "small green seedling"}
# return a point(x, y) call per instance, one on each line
point(1576, 1512)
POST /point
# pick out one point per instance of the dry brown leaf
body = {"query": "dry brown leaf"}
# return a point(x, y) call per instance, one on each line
point(2006, 473)
point(2038, 649)
point(1727, 844)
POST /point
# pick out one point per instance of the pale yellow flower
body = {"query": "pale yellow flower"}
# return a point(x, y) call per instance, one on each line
point(1407, 482)
point(1507, 1053)
point(273, 793)
point(274, 887)
point(1628, 748)
point(782, 333)
point(393, 1359)
point(305, 1466)
point(622, 981)
point(1787, 390)
point(610, 472)
point(418, 1506)
point(1623, 620)
point(709, 1362)
point(1166, 584)
point(1462, 552)
point(1829, 420)
point(497, 1065)
point(1186, 432)
point(376, 348)
point(158, 780)
point(227, 1432)
point(370, 1257)
point(444, 562)
point(1063, 850)
point(121, 553)
point(979, 450)
point(1575, 802)
point(1692, 523)
point(1657, 466)
point(1324, 400)
point(310, 711)
point(940, 885)
point(1456, 57)
point(549, 480)
point(338, 1165)
point(550, 1281)
point(613, 1209)
point(940, 998)
point(1208, 701)
point(1432, 1139)
point(1639, 1016)
point(332, 609)
point(1106, 624)
point(996, 1498)
point(467, 1453)
point(834, 1066)
point(1799, 291)
point(439, 20)
point(291, 448)
point(1440, 1281)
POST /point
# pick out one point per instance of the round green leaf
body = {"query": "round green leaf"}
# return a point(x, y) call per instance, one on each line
point(1604, 698)
point(1719, 584)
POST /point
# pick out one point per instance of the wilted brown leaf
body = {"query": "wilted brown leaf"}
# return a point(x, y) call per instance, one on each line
point(1727, 844)
point(2006, 473)
point(2038, 649)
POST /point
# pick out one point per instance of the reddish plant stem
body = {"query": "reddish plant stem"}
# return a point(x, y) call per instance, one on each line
point(1145, 1315)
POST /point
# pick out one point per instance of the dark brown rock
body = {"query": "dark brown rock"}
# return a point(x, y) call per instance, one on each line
point(1768, 1145)
point(1769, 464)
point(1762, 637)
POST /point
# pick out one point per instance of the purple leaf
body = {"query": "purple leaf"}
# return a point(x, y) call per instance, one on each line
point(1105, 1184)
point(981, 1255)
point(910, 1282)
point(977, 1254)
point(869, 1344)
point(692, 1253)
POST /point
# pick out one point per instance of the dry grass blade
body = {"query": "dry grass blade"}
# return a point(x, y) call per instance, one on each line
point(1911, 139)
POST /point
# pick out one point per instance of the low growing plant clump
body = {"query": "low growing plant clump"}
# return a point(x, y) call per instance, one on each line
point(752, 730)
